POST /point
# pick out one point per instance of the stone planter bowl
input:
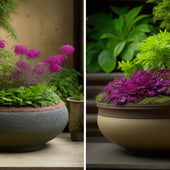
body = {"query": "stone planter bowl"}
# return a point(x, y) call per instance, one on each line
point(28, 128)
point(136, 128)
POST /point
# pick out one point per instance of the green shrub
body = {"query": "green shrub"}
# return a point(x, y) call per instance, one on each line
point(67, 83)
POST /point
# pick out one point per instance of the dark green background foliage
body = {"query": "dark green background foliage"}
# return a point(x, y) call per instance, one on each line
point(67, 83)
point(6, 7)
point(161, 12)
point(35, 95)
point(116, 38)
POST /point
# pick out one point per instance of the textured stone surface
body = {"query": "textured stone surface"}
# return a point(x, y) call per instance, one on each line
point(31, 128)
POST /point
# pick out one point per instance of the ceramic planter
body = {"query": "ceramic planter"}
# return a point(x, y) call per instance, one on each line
point(28, 128)
point(136, 127)
point(76, 119)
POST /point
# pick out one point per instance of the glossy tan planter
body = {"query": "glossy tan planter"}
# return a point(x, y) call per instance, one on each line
point(136, 128)
point(28, 128)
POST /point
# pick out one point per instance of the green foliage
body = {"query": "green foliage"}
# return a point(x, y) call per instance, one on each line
point(35, 95)
point(77, 97)
point(99, 99)
point(7, 65)
point(66, 83)
point(6, 7)
point(113, 39)
point(155, 54)
point(161, 12)
point(156, 100)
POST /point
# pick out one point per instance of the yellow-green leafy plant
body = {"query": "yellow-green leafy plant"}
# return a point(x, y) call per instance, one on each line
point(154, 54)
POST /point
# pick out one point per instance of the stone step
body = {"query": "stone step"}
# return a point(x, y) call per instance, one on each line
point(101, 78)
point(93, 91)
point(91, 106)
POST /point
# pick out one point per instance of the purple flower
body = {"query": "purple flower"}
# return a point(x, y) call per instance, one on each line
point(16, 74)
point(67, 49)
point(38, 69)
point(54, 68)
point(20, 49)
point(2, 44)
point(139, 86)
point(53, 62)
point(22, 65)
point(33, 53)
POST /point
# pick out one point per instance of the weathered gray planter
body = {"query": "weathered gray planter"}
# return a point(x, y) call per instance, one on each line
point(76, 119)
point(28, 128)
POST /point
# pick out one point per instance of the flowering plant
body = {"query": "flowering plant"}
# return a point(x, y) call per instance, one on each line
point(28, 76)
point(137, 88)
point(142, 85)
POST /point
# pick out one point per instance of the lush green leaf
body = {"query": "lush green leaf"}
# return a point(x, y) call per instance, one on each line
point(107, 61)
point(119, 11)
point(119, 48)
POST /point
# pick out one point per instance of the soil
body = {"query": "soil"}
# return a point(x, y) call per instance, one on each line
point(31, 109)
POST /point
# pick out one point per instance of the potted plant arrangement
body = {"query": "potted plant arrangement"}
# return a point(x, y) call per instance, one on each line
point(31, 113)
point(68, 88)
point(134, 111)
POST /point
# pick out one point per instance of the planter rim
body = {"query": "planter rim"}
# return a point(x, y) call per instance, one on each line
point(134, 111)
point(132, 106)
point(31, 109)
point(76, 101)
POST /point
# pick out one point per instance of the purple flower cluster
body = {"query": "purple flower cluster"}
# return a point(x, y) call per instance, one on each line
point(53, 63)
point(32, 53)
point(38, 69)
point(16, 74)
point(67, 49)
point(139, 86)
point(29, 70)
point(22, 65)
point(2, 44)
point(20, 49)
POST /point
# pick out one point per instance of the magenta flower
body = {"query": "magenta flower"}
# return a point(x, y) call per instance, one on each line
point(38, 69)
point(20, 49)
point(139, 86)
point(67, 49)
point(16, 74)
point(33, 53)
point(22, 65)
point(2, 44)
point(53, 62)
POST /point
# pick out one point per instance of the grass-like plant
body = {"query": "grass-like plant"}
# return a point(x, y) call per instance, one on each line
point(6, 7)
point(161, 12)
